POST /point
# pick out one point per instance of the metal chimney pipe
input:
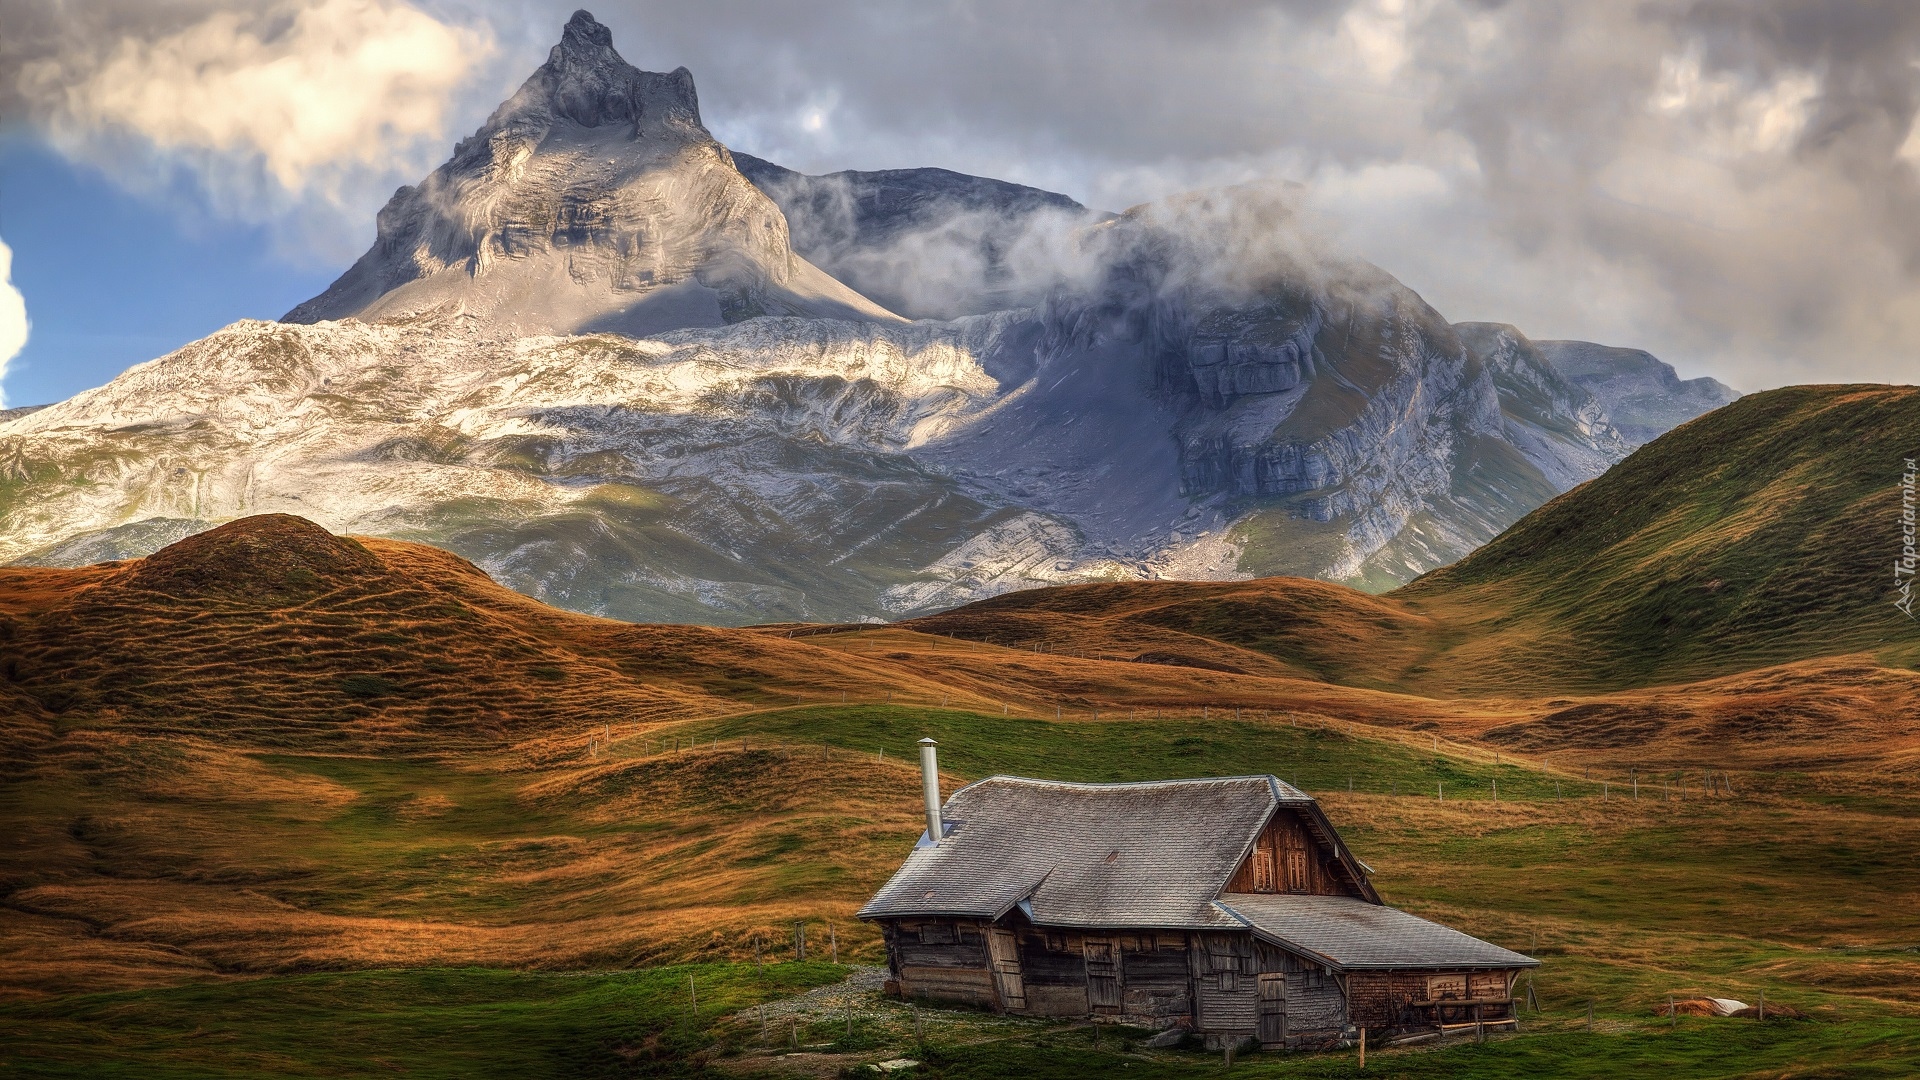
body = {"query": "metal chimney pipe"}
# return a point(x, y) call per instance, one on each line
point(930, 783)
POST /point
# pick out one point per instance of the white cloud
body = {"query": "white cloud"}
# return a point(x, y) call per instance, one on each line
point(13, 318)
point(302, 103)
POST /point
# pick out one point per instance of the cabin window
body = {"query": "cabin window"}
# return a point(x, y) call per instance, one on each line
point(936, 934)
point(1263, 869)
point(1229, 982)
point(1298, 880)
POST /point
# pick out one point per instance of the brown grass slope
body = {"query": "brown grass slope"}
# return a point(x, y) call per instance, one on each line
point(270, 631)
point(268, 748)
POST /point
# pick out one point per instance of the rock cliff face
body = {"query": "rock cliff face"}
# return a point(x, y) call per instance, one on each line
point(592, 199)
point(582, 354)
point(1644, 397)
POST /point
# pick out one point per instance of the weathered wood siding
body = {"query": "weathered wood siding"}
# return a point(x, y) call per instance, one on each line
point(942, 959)
point(1286, 859)
point(1148, 981)
point(1313, 1002)
point(1225, 982)
point(1158, 980)
point(1055, 971)
point(1382, 1000)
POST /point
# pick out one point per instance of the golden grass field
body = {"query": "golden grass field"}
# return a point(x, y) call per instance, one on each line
point(268, 751)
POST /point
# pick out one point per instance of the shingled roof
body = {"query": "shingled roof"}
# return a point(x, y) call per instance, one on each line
point(1149, 856)
point(1353, 935)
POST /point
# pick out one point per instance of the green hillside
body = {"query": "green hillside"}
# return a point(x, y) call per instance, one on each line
point(1759, 534)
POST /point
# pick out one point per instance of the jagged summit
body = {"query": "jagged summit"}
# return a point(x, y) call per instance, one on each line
point(591, 200)
point(586, 81)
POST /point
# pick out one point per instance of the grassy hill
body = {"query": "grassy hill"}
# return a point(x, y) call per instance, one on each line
point(286, 803)
point(1759, 535)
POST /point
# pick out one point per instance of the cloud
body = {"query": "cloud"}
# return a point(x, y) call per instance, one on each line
point(272, 110)
point(1735, 186)
point(13, 318)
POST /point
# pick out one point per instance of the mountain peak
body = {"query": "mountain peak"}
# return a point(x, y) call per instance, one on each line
point(587, 81)
point(583, 32)
point(593, 200)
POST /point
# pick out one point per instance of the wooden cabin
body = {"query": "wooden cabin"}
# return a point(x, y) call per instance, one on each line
point(1226, 906)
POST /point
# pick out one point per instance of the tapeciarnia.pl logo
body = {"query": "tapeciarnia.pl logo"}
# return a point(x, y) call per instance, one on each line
point(1903, 567)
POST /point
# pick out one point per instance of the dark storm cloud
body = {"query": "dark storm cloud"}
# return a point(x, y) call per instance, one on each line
point(1730, 184)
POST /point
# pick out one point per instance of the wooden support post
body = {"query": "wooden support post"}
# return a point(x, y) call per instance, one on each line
point(1673, 1016)
point(800, 941)
point(1763, 1004)
point(1442, 797)
point(793, 1032)
point(757, 968)
point(1589, 1014)
point(919, 1033)
point(833, 942)
point(1363, 1049)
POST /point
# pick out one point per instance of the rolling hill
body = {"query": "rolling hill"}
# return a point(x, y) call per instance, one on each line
point(276, 766)
point(1741, 540)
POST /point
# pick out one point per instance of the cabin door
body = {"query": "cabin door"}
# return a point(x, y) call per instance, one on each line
point(1103, 975)
point(1273, 1008)
point(1004, 950)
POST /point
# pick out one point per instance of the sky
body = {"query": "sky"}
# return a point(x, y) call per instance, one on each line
point(1731, 184)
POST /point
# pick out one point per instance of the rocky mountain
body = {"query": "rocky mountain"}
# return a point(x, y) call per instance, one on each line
point(1642, 395)
point(592, 200)
point(927, 243)
point(584, 355)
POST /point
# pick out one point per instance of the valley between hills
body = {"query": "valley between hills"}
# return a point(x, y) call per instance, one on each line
point(290, 803)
